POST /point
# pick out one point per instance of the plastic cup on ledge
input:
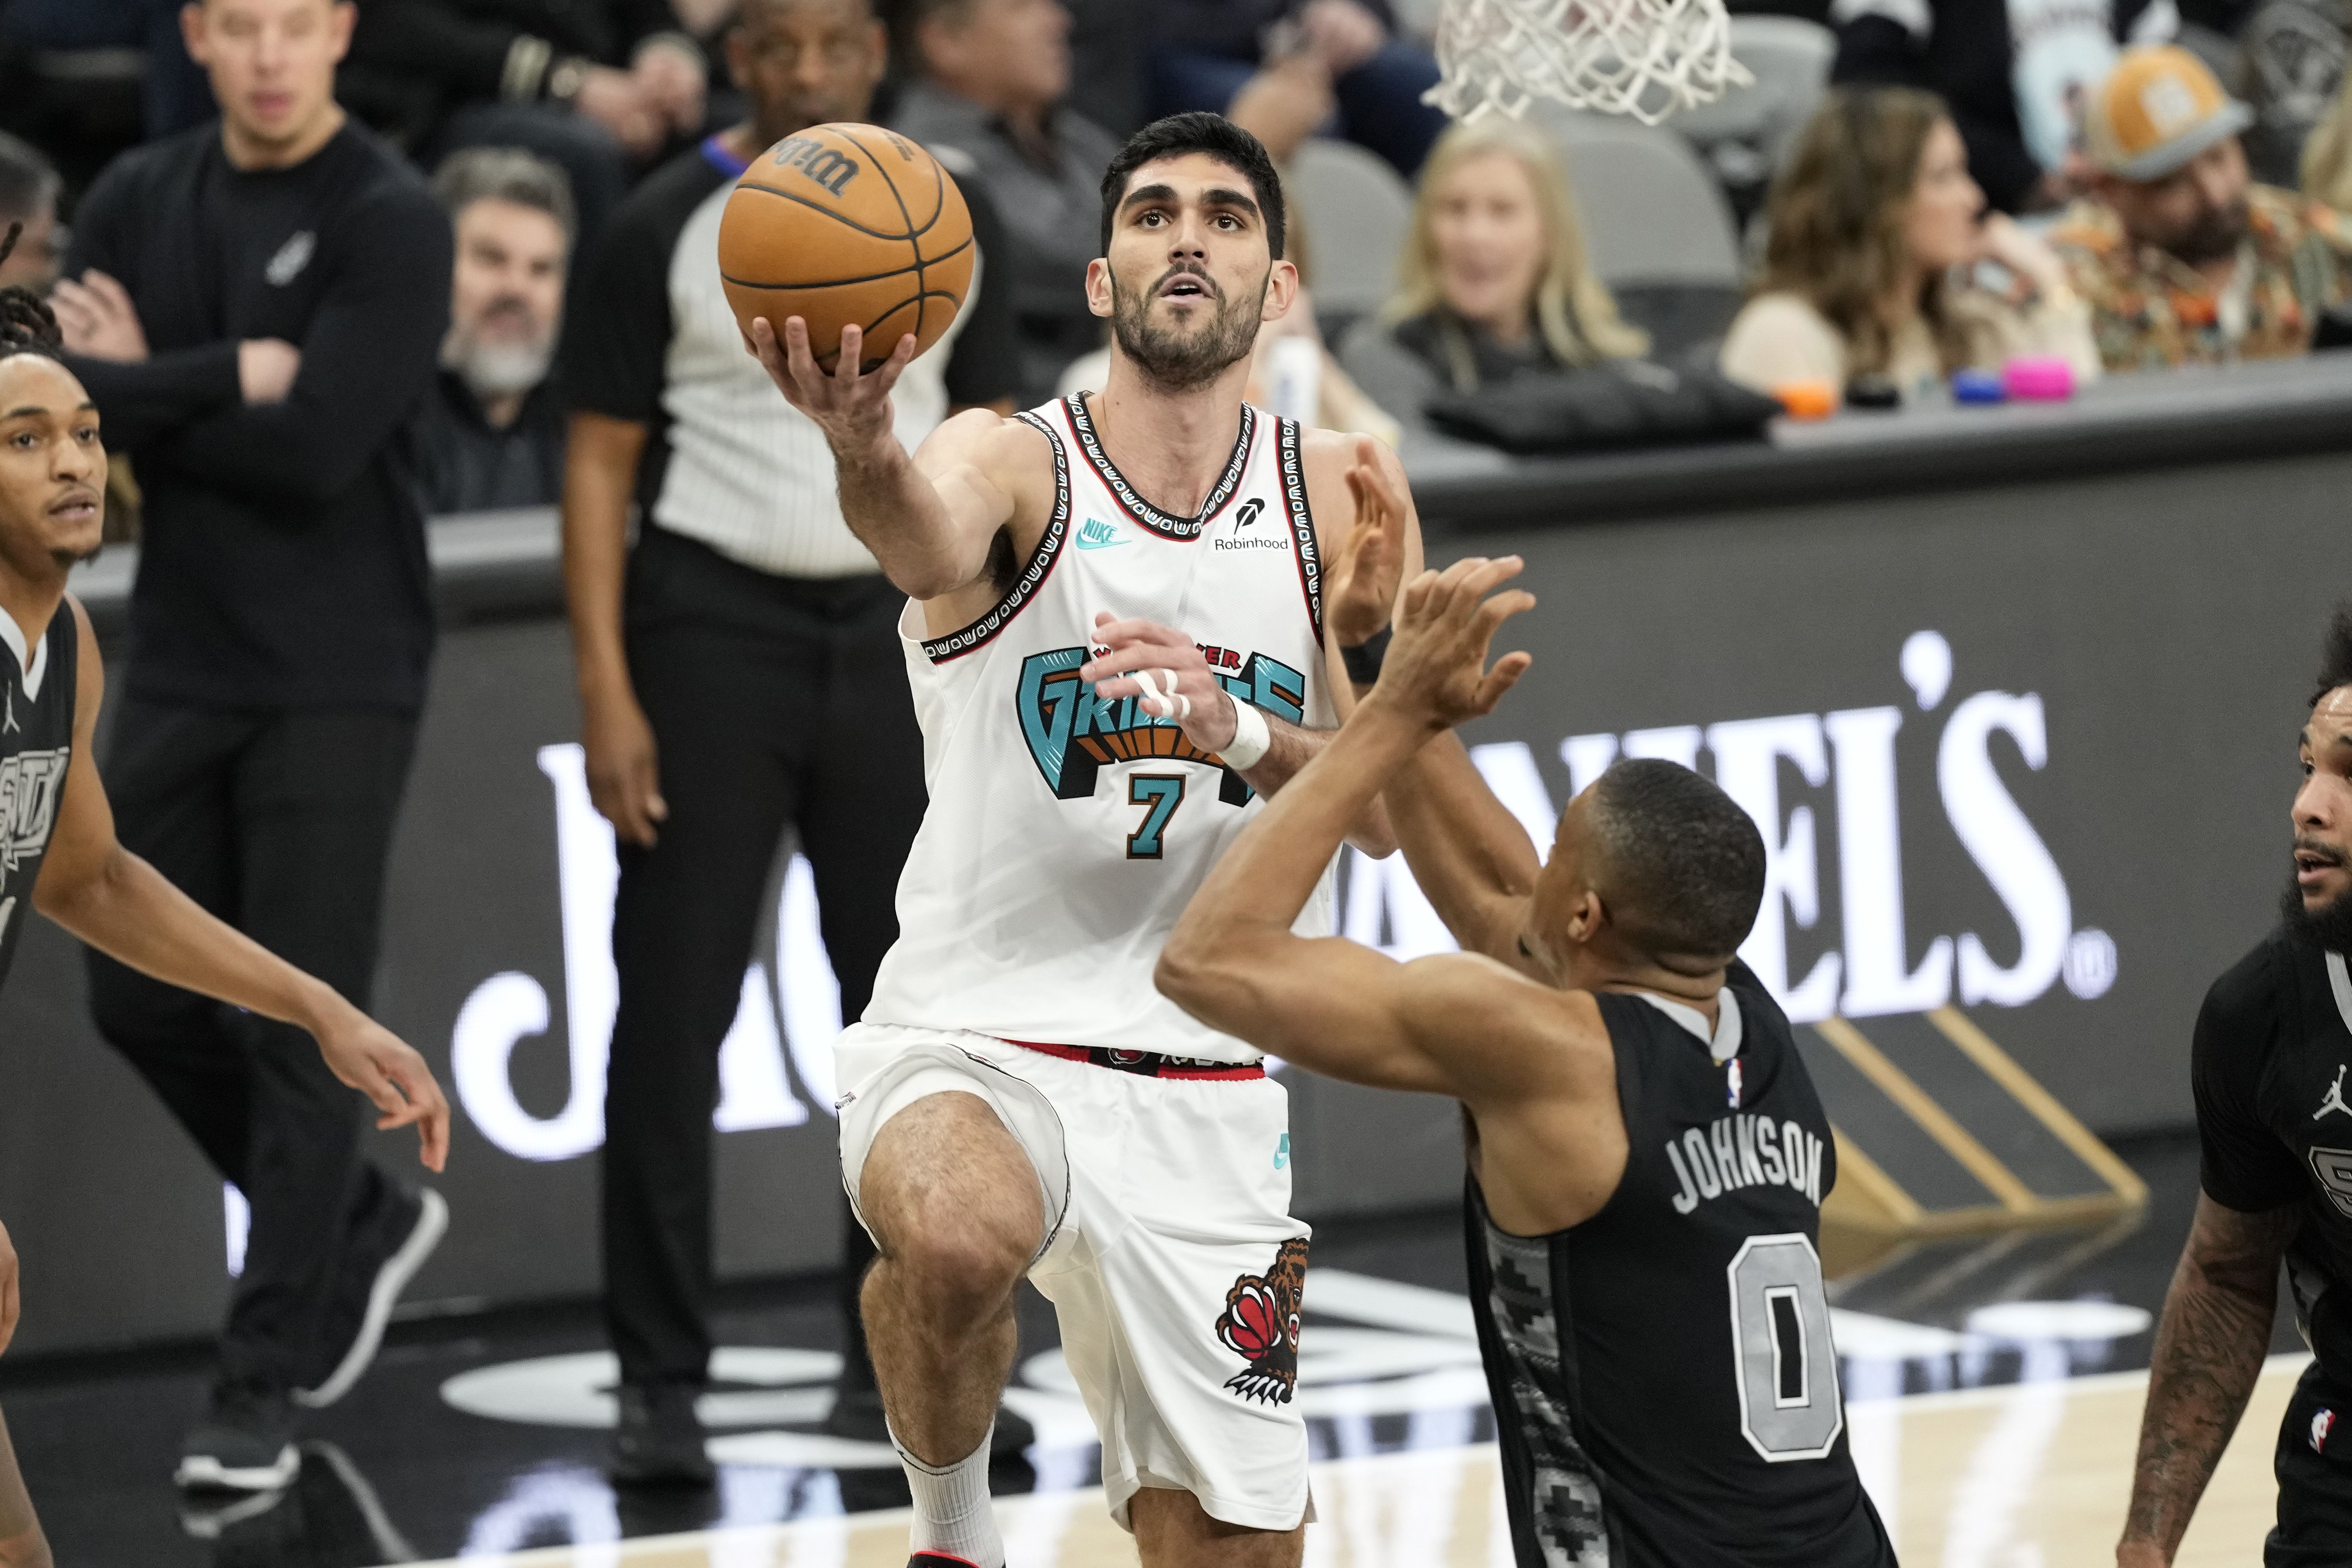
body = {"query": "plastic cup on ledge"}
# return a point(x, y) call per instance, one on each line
point(2039, 378)
point(1807, 399)
point(1977, 387)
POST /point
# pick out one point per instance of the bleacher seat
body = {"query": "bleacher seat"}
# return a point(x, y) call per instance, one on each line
point(1659, 230)
point(1743, 134)
point(1356, 212)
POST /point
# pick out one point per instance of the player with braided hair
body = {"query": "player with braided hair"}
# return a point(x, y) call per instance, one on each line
point(58, 848)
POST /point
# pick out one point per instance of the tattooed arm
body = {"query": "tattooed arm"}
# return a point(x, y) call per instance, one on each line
point(2209, 1348)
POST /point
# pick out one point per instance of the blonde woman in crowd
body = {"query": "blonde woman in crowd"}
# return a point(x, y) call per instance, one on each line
point(1493, 279)
point(1877, 258)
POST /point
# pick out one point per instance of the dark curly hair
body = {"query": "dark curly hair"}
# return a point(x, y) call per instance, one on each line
point(27, 325)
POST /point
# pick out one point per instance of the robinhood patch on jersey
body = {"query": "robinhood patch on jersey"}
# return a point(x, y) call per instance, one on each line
point(1071, 732)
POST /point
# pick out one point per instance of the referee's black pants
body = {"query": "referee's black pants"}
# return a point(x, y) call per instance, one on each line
point(774, 702)
point(278, 822)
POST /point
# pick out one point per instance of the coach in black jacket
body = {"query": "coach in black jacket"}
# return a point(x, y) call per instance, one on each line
point(254, 306)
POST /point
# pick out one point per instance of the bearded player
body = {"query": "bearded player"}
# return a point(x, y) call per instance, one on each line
point(1134, 615)
point(58, 849)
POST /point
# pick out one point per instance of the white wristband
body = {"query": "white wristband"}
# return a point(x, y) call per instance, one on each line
point(1251, 740)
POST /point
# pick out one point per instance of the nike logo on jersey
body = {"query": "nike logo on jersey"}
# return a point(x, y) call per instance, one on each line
point(1745, 1151)
point(1071, 732)
point(1096, 534)
point(2335, 1100)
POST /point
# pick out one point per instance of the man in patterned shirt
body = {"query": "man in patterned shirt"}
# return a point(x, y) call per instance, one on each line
point(2183, 259)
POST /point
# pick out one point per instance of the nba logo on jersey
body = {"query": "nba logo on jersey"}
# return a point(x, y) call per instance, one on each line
point(1731, 1083)
point(2321, 1425)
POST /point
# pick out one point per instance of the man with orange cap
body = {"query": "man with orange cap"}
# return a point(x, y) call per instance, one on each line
point(2183, 258)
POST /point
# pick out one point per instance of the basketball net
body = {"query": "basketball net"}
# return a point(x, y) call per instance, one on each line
point(1642, 58)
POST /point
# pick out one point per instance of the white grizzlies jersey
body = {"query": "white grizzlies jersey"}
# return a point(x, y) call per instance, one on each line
point(1067, 832)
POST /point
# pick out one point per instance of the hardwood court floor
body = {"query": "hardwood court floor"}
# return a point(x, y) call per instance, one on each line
point(1993, 1477)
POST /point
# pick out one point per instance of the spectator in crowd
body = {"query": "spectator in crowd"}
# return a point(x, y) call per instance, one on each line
point(490, 433)
point(2325, 166)
point(1878, 243)
point(2014, 73)
point(2184, 259)
point(739, 672)
point(172, 94)
point(989, 75)
point(256, 308)
point(1282, 67)
point(601, 87)
point(29, 194)
point(1494, 280)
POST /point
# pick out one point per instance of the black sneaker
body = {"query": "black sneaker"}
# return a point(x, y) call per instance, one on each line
point(659, 1440)
point(382, 1261)
point(244, 1443)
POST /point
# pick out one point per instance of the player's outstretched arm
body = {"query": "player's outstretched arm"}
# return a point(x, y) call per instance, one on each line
point(929, 520)
point(120, 905)
point(1470, 856)
point(1444, 1024)
point(2209, 1348)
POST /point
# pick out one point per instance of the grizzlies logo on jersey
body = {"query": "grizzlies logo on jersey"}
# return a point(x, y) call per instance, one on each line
point(1071, 732)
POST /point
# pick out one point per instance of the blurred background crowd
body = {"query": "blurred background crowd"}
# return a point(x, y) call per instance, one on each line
point(1912, 188)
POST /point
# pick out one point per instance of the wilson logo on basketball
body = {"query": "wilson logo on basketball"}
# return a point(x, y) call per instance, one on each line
point(828, 167)
point(1260, 1324)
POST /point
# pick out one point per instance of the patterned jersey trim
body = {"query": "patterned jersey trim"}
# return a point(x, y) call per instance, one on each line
point(1181, 529)
point(1302, 523)
point(958, 643)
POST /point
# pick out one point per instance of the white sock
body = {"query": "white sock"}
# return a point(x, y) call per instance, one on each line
point(952, 1511)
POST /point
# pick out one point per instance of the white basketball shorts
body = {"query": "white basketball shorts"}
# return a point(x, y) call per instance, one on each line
point(1170, 1255)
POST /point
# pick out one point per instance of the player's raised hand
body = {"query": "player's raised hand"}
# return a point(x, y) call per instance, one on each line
point(1435, 671)
point(1363, 587)
point(1168, 670)
point(852, 407)
point(371, 1058)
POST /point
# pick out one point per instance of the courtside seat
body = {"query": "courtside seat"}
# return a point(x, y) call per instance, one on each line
point(1659, 229)
point(1355, 212)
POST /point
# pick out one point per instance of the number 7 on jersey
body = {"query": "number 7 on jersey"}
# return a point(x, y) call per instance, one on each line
point(1159, 795)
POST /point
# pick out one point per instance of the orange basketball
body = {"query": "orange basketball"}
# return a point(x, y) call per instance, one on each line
point(846, 224)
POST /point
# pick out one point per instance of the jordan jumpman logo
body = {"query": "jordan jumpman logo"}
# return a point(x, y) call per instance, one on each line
point(2335, 1100)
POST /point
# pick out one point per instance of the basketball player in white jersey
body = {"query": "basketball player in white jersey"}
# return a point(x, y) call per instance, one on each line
point(1129, 623)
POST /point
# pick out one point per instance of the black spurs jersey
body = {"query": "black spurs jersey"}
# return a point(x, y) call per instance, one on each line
point(37, 718)
point(2275, 1119)
point(1664, 1387)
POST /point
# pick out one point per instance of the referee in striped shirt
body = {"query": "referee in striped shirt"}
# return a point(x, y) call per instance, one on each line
point(739, 672)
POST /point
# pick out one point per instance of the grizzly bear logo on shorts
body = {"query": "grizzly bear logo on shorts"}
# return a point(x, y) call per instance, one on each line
point(1260, 1324)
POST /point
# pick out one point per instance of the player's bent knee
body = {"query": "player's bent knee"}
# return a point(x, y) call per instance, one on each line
point(960, 1273)
point(953, 1202)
